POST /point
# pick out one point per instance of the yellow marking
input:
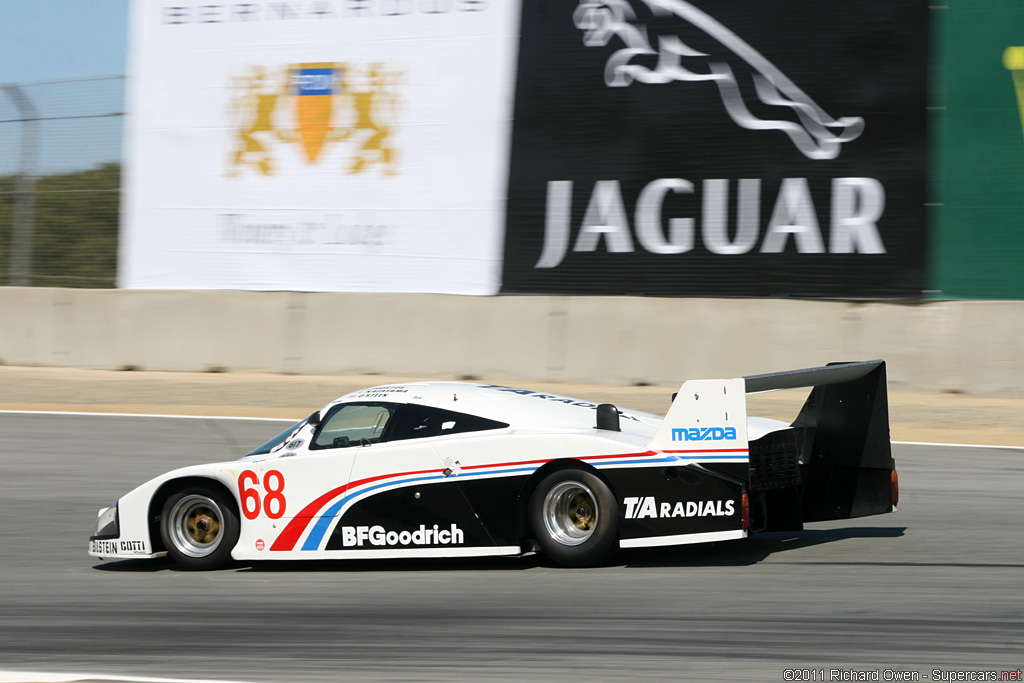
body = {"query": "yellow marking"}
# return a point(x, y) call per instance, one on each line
point(254, 105)
point(374, 104)
point(1013, 59)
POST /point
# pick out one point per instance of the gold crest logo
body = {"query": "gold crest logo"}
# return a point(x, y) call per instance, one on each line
point(313, 106)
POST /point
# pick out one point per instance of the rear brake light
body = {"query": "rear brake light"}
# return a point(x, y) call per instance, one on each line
point(895, 488)
point(746, 509)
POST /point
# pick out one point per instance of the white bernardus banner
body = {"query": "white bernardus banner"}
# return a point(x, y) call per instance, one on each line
point(318, 145)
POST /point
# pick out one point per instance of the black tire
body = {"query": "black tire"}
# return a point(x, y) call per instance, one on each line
point(574, 518)
point(199, 526)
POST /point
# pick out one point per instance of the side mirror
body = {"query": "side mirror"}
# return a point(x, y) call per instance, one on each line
point(314, 419)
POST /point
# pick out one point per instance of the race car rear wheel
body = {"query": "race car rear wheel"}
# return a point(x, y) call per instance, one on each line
point(199, 527)
point(574, 517)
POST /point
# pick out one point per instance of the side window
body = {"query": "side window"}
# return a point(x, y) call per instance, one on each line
point(352, 424)
point(420, 422)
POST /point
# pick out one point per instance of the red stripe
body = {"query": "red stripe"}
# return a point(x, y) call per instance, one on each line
point(287, 539)
point(713, 450)
point(622, 455)
point(546, 460)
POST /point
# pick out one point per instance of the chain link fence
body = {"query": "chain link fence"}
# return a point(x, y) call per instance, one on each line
point(60, 182)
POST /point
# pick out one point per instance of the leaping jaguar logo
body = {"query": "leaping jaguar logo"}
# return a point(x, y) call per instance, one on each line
point(816, 134)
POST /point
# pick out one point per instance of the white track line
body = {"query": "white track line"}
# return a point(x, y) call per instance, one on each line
point(956, 445)
point(39, 677)
point(285, 419)
point(160, 415)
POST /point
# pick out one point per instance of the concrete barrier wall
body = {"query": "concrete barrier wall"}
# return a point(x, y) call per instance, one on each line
point(971, 347)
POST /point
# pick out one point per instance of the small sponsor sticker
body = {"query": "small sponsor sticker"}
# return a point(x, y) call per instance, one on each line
point(646, 507)
point(260, 545)
point(118, 547)
point(379, 536)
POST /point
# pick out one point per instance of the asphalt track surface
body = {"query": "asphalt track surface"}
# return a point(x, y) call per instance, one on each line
point(937, 585)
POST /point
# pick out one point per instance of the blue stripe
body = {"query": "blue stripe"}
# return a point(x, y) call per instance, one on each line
point(320, 528)
point(511, 471)
point(630, 462)
point(739, 458)
point(316, 535)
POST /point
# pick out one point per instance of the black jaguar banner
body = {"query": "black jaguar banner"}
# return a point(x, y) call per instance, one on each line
point(744, 148)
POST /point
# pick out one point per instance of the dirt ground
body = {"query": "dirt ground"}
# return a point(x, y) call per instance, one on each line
point(938, 418)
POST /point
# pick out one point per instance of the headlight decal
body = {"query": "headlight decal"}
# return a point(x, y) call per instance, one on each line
point(108, 525)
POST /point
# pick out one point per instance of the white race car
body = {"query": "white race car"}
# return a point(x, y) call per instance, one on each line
point(444, 469)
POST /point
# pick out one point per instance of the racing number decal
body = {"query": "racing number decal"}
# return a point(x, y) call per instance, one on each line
point(275, 492)
point(249, 495)
point(273, 502)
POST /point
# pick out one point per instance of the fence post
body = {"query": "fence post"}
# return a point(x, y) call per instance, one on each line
point(24, 202)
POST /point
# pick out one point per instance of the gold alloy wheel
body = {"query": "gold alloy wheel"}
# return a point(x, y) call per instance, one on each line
point(194, 526)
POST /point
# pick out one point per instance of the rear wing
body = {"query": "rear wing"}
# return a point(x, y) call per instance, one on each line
point(847, 412)
point(839, 442)
point(836, 456)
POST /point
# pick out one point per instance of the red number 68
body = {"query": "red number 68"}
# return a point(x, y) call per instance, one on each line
point(273, 503)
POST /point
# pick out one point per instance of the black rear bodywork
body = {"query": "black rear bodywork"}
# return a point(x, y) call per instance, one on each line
point(836, 461)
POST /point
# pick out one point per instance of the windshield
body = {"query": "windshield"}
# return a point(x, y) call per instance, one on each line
point(277, 440)
point(353, 424)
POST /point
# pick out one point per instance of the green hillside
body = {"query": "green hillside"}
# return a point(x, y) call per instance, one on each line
point(75, 228)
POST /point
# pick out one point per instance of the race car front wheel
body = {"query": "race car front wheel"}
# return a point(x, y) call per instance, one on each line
point(199, 527)
point(574, 518)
